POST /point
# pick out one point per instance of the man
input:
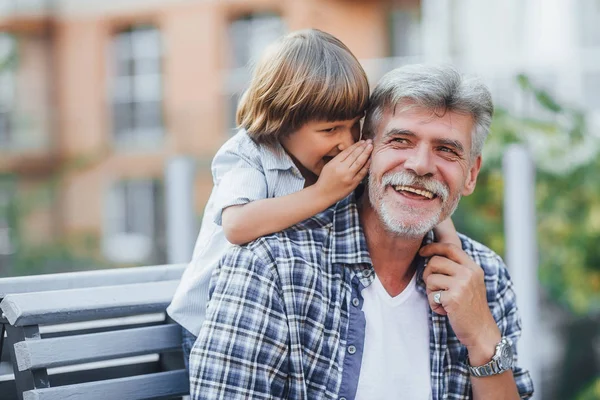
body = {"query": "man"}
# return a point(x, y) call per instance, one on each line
point(359, 302)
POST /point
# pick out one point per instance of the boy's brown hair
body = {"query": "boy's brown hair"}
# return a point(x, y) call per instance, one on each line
point(306, 76)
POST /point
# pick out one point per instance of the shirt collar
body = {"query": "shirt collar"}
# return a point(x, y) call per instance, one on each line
point(275, 157)
point(349, 244)
point(422, 262)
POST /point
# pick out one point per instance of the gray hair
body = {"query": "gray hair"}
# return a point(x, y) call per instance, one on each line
point(439, 88)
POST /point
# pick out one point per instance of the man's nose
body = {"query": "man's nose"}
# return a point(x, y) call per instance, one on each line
point(346, 139)
point(420, 162)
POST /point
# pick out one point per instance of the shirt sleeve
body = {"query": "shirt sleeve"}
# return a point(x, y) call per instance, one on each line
point(509, 323)
point(242, 348)
point(238, 179)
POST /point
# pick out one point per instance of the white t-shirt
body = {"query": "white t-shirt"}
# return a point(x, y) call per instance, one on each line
point(395, 363)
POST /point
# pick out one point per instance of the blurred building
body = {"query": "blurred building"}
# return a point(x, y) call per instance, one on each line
point(96, 95)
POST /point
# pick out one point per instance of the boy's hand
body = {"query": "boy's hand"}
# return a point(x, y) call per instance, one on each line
point(345, 171)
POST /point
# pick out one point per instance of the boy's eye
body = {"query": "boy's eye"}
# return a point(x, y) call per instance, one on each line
point(329, 129)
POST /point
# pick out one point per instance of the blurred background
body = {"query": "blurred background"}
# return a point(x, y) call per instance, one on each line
point(102, 102)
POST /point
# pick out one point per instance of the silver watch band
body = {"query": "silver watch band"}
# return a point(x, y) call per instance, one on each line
point(500, 362)
point(489, 369)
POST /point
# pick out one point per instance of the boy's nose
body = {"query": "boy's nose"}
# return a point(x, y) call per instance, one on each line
point(346, 140)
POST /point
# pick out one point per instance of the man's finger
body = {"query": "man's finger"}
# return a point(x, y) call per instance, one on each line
point(435, 307)
point(447, 250)
point(437, 282)
point(440, 265)
point(445, 232)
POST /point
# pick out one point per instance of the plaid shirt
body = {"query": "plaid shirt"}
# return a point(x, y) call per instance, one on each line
point(284, 320)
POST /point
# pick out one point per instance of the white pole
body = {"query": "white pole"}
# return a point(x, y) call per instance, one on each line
point(180, 216)
point(521, 251)
point(436, 30)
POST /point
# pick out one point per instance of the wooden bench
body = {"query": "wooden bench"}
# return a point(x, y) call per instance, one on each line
point(92, 335)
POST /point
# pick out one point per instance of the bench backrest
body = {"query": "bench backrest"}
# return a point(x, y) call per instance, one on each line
point(86, 279)
point(104, 342)
point(82, 279)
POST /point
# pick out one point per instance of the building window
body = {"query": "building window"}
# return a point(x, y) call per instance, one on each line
point(7, 88)
point(134, 225)
point(249, 36)
point(405, 32)
point(137, 89)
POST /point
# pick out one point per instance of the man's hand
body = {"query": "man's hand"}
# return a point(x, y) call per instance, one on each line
point(463, 298)
point(445, 232)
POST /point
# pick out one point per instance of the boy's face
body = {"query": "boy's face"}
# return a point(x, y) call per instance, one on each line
point(317, 142)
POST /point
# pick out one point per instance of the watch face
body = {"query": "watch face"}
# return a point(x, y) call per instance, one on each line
point(506, 356)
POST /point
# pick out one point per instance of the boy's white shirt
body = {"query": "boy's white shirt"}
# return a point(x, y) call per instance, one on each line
point(242, 172)
point(395, 361)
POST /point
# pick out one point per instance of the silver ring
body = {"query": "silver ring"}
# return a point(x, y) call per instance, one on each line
point(437, 297)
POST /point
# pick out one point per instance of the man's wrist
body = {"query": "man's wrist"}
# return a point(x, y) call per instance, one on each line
point(482, 352)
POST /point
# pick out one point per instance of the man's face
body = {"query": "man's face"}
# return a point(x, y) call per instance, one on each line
point(420, 167)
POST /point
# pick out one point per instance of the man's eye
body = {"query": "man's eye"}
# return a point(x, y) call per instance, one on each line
point(401, 140)
point(448, 150)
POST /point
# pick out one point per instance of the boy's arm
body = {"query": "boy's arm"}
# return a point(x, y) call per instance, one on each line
point(247, 222)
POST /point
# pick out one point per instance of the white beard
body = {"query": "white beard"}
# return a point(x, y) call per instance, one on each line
point(393, 222)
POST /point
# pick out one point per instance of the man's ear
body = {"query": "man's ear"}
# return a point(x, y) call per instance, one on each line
point(471, 180)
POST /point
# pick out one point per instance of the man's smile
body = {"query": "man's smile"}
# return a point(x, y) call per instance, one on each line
point(415, 193)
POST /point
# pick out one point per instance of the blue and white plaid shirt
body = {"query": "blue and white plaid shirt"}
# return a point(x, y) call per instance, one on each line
point(285, 319)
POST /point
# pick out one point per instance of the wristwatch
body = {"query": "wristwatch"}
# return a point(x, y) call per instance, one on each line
point(501, 361)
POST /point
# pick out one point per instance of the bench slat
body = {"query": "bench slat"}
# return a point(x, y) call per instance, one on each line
point(61, 351)
point(5, 368)
point(64, 306)
point(151, 386)
point(84, 279)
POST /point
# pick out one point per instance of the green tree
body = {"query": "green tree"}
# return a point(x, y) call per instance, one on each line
point(568, 222)
point(567, 197)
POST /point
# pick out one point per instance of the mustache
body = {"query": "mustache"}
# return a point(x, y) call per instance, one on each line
point(405, 178)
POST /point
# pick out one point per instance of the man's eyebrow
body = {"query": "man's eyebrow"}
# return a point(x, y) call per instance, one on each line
point(398, 132)
point(457, 145)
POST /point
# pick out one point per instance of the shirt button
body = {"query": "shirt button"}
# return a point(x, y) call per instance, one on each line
point(367, 273)
point(342, 398)
point(355, 302)
point(351, 349)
